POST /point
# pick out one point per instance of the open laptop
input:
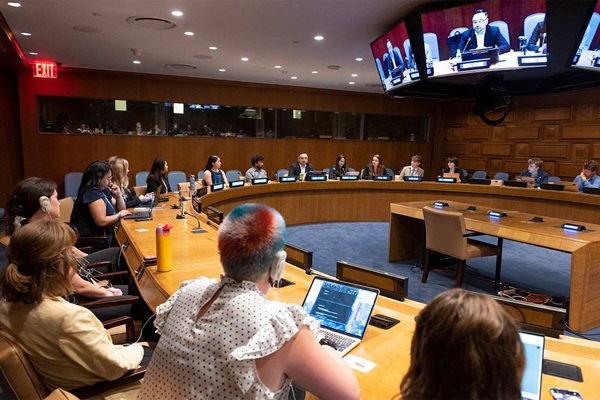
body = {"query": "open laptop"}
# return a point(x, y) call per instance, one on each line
point(143, 215)
point(342, 308)
point(569, 186)
point(454, 175)
point(531, 384)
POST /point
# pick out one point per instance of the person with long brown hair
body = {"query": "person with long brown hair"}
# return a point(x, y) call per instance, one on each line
point(374, 168)
point(120, 168)
point(465, 346)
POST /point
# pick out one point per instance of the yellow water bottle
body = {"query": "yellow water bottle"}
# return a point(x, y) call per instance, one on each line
point(164, 259)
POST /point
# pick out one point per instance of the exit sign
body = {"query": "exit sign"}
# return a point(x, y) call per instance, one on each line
point(45, 70)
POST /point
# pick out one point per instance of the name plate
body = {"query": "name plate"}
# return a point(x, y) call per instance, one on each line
point(496, 214)
point(441, 179)
point(597, 62)
point(542, 59)
point(382, 178)
point(216, 187)
point(475, 64)
point(430, 71)
point(414, 75)
point(260, 181)
point(313, 178)
point(349, 178)
point(234, 184)
point(413, 178)
point(283, 179)
point(439, 204)
point(573, 227)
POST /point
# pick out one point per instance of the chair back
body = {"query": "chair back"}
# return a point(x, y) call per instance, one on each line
point(553, 179)
point(282, 172)
point(18, 378)
point(141, 177)
point(390, 172)
point(503, 26)
point(176, 177)
point(503, 176)
point(530, 22)
point(72, 182)
point(431, 39)
point(380, 69)
point(479, 175)
point(444, 232)
point(140, 190)
point(233, 175)
point(66, 208)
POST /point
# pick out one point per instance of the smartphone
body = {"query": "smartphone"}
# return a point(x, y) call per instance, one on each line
point(565, 394)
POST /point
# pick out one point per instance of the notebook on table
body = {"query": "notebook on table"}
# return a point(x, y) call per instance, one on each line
point(342, 308)
point(531, 384)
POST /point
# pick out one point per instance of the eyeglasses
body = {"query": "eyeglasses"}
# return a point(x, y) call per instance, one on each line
point(108, 178)
point(479, 21)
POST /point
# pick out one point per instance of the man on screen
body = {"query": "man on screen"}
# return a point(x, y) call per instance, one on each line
point(392, 60)
point(482, 35)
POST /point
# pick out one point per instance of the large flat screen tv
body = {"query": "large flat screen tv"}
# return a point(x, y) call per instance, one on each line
point(484, 36)
point(588, 52)
point(394, 59)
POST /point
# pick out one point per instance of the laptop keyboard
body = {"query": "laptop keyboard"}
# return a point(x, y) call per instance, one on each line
point(138, 215)
point(341, 342)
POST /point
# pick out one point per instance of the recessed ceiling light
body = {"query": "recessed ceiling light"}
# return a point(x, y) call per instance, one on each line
point(222, 70)
point(245, 58)
point(351, 83)
point(33, 53)
point(188, 33)
point(358, 58)
point(354, 75)
point(319, 37)
point(315, 72)
point(177, 13)
point(294, 77)
point(137, 62)
point(212, 48)
point(25, 33)
point(277, 66)
point(14, 4)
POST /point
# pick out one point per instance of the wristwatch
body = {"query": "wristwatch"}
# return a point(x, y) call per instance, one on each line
point(327, 342)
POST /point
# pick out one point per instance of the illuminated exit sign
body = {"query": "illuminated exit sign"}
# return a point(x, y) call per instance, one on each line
point(45, 70)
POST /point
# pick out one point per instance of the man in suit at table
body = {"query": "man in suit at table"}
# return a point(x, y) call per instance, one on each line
point(392, 60)
point(482, 35)
point(588, 178)
point(414, 168)
point(301, 167)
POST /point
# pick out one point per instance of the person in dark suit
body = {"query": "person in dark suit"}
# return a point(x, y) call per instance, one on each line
point(533, 173)
point(392, 60)
point(538, 40)
point(301, 167)
point(454, 169)
point(482, 35)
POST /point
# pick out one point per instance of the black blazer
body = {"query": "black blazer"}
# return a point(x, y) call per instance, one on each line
point(295, 169)
point(492, 37)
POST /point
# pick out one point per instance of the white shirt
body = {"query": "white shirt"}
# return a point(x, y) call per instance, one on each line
point(480, 39)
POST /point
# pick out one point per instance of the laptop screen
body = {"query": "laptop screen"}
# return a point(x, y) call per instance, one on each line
point(340, 306)
point(531, 385)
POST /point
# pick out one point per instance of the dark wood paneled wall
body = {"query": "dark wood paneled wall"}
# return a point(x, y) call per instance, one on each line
point(562, 129)
point(10, 148)
point(52, 155)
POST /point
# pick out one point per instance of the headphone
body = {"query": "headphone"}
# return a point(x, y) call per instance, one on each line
point(44, 204)
point(277, 267)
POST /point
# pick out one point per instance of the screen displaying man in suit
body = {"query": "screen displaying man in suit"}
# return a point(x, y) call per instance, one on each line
point(392, 60)
point(482, 35)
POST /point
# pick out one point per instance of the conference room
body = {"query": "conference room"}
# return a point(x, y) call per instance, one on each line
point(309, 106)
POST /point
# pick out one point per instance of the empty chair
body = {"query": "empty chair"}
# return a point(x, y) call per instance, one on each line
point(389, 172)
point(282, 172)
point(380, 69)
point(72, 182)
point(446, 233)
point(553, 179)
point(530, 22)
point(503, 176)
point(233, 175)
point(503, 26)
point(431, 39)
point(176, 177)
point(351, 169)
point(454, 39)
point(465, 174)
point(479, 175)
point(140, 178)
point(326, 171)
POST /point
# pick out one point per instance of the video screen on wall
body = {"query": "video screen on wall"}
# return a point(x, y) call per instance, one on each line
point(394, 58)
point(487, 35)
point(589, 48)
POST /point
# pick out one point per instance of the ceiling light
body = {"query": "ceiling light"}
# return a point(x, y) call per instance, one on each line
point(137, 62)
point(25, 33)
point(177, 13)
point(188, 33)
point(358, 58)
point(212, 48)
point(354, 75)
point(319, 37)
point(245, 58)
point(351, 83)
point(222, 70)
point(294, 77)
point(315, 72)
point(278, 66)
point(14, 4)
point(33, 53)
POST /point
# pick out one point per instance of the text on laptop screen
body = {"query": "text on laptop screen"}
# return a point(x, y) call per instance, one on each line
point(531, 385)
point(341, 307)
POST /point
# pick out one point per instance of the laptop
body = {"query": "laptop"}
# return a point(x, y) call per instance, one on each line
point(531, 384)
point(516, 183)
point(157, 197)
point(569, 186)
point(454, 175)
point(492, 53)
point(342, 308)
point(142, 214)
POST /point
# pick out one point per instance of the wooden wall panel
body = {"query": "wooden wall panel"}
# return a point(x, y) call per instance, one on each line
point(550, 150)
point(523, 132)
point(496, 149)
point(482, 133)
point(10, 149)
point(552, 114)
point(581, 132)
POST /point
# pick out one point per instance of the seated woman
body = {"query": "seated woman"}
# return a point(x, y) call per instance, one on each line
point(158, 177)
point(375, 168)
point(339, 168)
point(538, 40)
point(454, 169)
point(66, 343)
point(120, 168)
point(224, 339)
point(534, 173)
point(213, 173)
point(99, 205)
point(459, 338)
point(35, 199)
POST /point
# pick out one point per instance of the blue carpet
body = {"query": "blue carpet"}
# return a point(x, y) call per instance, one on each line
point(531, 268)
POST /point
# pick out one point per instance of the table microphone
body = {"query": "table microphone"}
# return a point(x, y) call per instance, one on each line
point(198, 229)
point(311, 271)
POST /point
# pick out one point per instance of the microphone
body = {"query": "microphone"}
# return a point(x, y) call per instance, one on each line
point(311, 271)
point(466, 44)
point(197, 229)
point(182, 215)
point(175, 206)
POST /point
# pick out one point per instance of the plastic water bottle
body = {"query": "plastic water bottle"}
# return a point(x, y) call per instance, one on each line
point(164, 257)
point(458, 56)
point(192, 185)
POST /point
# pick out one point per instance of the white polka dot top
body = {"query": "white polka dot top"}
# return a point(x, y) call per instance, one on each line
point(213, 357)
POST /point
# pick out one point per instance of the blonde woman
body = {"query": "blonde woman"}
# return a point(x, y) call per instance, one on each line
point(120, 168)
